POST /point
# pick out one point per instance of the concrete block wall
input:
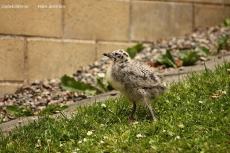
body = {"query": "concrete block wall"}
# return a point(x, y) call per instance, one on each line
point(45, 39)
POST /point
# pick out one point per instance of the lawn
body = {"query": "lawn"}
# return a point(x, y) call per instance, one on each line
point(193, 116)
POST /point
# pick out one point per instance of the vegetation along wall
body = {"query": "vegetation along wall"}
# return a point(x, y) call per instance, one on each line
point(45, 39)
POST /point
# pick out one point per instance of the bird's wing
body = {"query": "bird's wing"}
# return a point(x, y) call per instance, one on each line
point(140, 75)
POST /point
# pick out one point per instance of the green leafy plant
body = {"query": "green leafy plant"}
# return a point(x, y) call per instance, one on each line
point(191, 57)
point(221, 44)
point(204, 51)
point(52, 109)
point(19, 111)
point(188, 57)
point(226, 23)
point(103, 85)
point(134, 50)
point(167, 59)
point(70, 84)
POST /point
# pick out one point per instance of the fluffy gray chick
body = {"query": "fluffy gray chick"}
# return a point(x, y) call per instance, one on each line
point(135, 80)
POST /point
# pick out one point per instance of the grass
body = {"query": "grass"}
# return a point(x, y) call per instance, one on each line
point(194, 116)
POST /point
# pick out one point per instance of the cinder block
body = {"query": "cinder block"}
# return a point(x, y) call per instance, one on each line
point(52, 58)
point(31, 18)
point(208, 1)
point(210, 15)
point(100, 20)
point(8, 89)
point(12, 58)
point(107, 47)
point(153, 20)
point(226, 1)
point(227, 8)
point(194, 1)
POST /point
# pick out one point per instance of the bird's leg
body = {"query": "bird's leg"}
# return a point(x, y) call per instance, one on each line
point(133, 111)
point(150, 109)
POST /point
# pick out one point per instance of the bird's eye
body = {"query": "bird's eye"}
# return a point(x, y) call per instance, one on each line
point(115, 53)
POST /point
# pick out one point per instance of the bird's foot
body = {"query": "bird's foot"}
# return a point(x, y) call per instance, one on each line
point(154, 119)
point(131, 118)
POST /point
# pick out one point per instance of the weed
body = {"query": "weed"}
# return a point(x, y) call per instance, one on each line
point(19, 111)
point(226, 23)
point(167, 59)
point(70, 84)
point(191, 57)
point(188, 57)
point(134, 50)
point(221, 44)
point(203, 50)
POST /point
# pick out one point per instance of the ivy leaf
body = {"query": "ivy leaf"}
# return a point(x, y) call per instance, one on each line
point(70, 84)
point(167, 59)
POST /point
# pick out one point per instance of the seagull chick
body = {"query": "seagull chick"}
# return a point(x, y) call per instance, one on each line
point(135, 80)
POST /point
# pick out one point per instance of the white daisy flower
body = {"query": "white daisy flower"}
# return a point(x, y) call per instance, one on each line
point(181, 125)
point(84, 139)
point(79, 141)
point(103, 105)
point(89, 132)
point(139, 136)
point(177, 137)
point(101, 142)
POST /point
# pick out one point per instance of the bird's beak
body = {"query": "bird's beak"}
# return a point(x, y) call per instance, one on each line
point(109, 55)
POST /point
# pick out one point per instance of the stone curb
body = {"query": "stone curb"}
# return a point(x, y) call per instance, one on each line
point(172, 76)
point(179, 73)
point(21, 121)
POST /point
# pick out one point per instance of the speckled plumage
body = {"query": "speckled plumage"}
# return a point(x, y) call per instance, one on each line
point(135, 80)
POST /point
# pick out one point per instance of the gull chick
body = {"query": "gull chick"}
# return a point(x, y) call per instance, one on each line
point(135, 80)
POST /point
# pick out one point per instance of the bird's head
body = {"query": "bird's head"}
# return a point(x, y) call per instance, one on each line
point(119, 56)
